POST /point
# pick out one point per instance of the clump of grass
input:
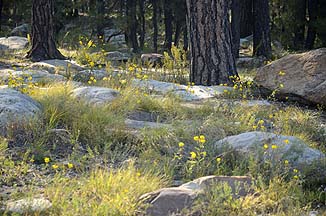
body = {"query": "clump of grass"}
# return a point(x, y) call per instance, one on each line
point(114, 192)
point(278, 197)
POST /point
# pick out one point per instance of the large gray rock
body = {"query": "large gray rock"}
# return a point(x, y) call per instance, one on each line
point(115, 37)
point(304, 78)
point(62, 67)
point(135, 124)
point(28, 206)
point(185, 93)
point(21, 30)
point(117, 57)
point(95, 95)
point(152, 58)
point(288, 147)
point(85, 75)
point(39, 76)
point(16, 107)
point(171, 201)
point(13, 43)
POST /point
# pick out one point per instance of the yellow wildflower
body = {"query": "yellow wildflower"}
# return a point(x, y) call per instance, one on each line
point(274, 146)
point(55, 166)
point(265, 146)
point(193, 155)
point(46, 160)
point(286, 141)
point(70, 165)
point(196, 138)
point(181, 144)
point(218, 160)
point(286, 162)
point(295, 171)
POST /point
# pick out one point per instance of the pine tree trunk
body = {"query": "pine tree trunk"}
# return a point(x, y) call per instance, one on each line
point(311, 34)
point(132, 24)
point(262, 37)
point(168, 17)
point(212, 61)
point(155, 26)
point(43, 42)
point(142, 30)
point(246, 18)
point(299, 22)
point(1, 5)
point(235, 26)
point(100, 10)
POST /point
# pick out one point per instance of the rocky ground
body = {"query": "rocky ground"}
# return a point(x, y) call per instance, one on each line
point(68, 129)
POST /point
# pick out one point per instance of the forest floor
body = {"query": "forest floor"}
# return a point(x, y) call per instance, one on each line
point(97, 154)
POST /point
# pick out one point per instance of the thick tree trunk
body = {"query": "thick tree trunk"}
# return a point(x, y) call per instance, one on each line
point(168, 17)
point(43, 43)
point(142, 30)
point(246, 18)
point(262, 37)
point(100, 10)
point(311, 34)
point(299, 22)
point(132, 24)
point(235, 26)
point(212, 61)
point(155, 25)
point(1, 5)
point(185, 40)
point(178, 28)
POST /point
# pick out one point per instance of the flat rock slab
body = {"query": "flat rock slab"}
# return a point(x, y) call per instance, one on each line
point(16, 107)
point(85, 75)
point(95, 95)
point(170, 201)
point(39, 76)
point(134, 124)
point(13, 43)
point(288, 147)
point(62, 67)
point(28, 206)
point(300, 77)
point(186, 93)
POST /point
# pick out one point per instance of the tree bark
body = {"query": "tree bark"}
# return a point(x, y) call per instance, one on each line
point(235, 26)
point(100, 10)
point(131, 11)
point(155, 26)
point(246, 18)
point(311, 34)
point(262, 37)
point(212, 61)
point(142, 30)
point(43, 42)
point(168, 17)
point(1, 5)
point(299, 22)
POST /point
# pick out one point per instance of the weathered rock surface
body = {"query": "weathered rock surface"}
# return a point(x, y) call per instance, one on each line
point(95, 95)
point(13, 43)
point(21, 30)
point(39, 76)
point(184, 92)
point(170, 201)
point(85, 75)
point(134, 124)
point(152, 58)
point(28, 206)
point(62, 67)
point(304, 78)
point(115, 37)
point(117, 57)
point(15, 107)
point(287, 147)
point(249, 62)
